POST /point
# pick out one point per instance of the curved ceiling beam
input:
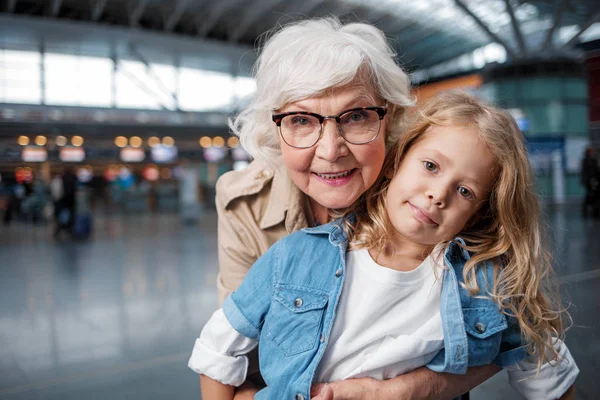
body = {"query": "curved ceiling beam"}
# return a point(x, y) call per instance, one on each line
point(54, 8)
point(516, 29)
point(214, 15)
point(558, 12)
point(98, 9)
point(509, 51)
point(174, 18)
point(10, 6)
point(252, 16)
point(591, 21)
point(136, 11)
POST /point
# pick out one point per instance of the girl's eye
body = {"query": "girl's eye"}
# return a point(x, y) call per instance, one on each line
point(429, 166)
point(464, 192)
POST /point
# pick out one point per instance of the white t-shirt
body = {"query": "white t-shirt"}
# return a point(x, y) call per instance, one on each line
point(387, 323)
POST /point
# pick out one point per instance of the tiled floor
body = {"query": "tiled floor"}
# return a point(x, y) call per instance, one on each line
point(116, 317)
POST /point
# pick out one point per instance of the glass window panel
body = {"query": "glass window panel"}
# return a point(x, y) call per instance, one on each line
point(538, 117)
point(20, 77)
point(540, 88)
point(244, 87)
point(77, 80)
point(61, 71)
point(204, 90)
point(140, 87)
point(576, 118)
point(575, 88)
point(164, 80)
point(507, 92)
point(96, 81)
point(133, 88)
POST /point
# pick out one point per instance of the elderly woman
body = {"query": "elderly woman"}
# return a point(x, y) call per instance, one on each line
point(330, 100)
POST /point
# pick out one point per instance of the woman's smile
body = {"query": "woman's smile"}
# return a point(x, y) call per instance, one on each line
point(336, 178)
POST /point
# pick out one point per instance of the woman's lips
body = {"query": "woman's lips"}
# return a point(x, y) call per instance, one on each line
point(338, 178)
point(421, 215)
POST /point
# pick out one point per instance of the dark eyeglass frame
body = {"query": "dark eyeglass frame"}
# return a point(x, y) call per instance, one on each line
point(381, 112)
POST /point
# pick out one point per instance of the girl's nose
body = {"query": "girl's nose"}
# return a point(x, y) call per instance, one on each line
point(332, 145)
point(438, 197)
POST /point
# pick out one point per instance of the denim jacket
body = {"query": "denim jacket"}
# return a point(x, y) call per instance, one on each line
point(289, 298)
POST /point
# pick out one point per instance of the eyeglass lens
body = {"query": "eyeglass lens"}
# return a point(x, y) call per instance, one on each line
point(356, 126)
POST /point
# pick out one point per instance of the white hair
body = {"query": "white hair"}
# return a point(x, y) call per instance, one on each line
point(307, 58)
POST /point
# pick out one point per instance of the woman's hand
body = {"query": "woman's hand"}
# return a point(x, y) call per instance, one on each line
point(360, 388)
point(421, 383)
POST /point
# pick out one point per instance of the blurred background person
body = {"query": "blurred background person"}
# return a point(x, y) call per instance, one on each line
point(66, 204)
point(590, 179)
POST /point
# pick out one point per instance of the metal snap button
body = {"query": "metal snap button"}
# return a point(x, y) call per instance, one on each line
point(298, 302)
point(299, 397)
point(479, 327)
point(338, 273)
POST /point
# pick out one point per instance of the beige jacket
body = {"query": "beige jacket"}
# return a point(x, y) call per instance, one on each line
point(256, 207)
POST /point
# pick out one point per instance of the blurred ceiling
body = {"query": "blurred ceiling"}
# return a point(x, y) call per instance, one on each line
point(425, 32)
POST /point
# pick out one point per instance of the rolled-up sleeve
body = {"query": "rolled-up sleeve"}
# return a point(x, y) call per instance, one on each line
point(220, 351)
point(553, 379)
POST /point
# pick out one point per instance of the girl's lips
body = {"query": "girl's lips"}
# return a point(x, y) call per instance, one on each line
point(421, 215)
point(337, 178)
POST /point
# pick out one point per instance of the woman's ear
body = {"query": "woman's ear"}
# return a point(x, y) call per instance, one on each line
point(389, 174)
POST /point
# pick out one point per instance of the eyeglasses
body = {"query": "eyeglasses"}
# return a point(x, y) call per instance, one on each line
point(301, 129)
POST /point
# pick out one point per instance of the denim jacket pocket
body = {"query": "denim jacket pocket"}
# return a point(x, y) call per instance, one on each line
point(294, 320)
point(484, 326)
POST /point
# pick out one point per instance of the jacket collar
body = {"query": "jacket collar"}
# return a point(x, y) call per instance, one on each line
point(286, 203)
point(335, 230)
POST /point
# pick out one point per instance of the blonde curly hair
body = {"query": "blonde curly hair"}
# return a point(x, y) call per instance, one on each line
point(506, 231)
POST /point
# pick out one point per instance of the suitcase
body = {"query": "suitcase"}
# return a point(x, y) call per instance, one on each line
point(82, 227)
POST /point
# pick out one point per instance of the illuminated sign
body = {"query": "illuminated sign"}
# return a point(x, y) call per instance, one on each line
point(132, 154)
point(34, 154)
point(163, 154)
point(214, 154)
point(71, 154)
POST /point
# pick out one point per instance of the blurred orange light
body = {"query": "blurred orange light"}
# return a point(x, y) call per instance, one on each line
point(120, 141)
point(41, 140)
point(153, 141)
point(168, 141)
point(23, 140)
point(218, 141)
point(205, 142)
point(61, 140)
point(135, 141)
point(233, 141)
point(77, 141)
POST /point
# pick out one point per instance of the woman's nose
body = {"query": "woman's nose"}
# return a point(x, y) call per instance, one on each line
point(332, 145)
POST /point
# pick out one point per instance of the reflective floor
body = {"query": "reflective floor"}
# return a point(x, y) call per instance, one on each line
point(115, 317)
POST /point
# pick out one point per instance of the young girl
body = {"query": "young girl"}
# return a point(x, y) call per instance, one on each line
point(441, 264)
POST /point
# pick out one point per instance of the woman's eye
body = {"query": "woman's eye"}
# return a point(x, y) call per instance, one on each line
point(357, 116)
point(429, 166)
point(464, 192)
point(300, 120)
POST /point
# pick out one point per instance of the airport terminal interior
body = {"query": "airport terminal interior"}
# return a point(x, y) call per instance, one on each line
point(129, 101)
